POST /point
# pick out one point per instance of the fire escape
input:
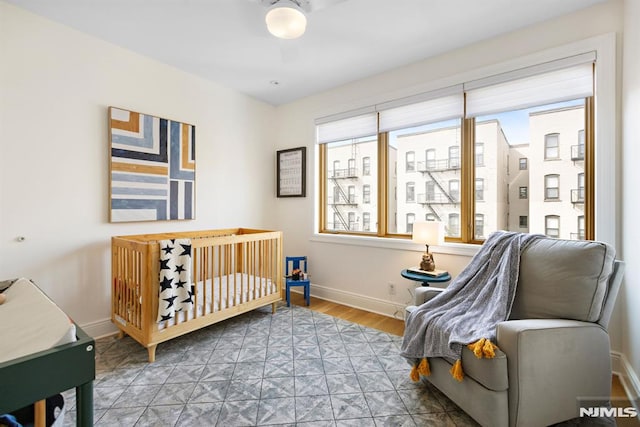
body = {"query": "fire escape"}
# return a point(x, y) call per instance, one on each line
point(342, 198)
point(442, 196)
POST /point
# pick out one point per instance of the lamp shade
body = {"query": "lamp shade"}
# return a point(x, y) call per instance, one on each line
point(286, 20)
point(428, 232)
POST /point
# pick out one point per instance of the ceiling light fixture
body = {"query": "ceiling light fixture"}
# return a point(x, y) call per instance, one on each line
point(286, 20)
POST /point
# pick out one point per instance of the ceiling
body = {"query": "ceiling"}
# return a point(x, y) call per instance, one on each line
point(226, 41)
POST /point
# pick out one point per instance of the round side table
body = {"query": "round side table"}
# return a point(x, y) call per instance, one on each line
point(424, 278)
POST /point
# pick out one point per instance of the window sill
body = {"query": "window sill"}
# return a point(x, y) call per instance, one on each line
point(463, 249)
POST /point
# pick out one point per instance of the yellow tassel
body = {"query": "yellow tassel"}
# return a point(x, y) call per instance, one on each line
point(456, 370)
point(489, 350)
point(423, 368)
point(477, 346)
point(415, 376)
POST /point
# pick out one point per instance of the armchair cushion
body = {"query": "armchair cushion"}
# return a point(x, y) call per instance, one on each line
point(563, 279)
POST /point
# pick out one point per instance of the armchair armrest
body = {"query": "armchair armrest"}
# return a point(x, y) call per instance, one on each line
point(551, 364)
point(424, 294)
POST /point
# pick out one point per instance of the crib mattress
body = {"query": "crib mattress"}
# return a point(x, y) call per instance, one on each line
point(241, 286)
point(30, 322)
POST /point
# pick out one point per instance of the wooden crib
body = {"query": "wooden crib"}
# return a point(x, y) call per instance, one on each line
point(233, 271)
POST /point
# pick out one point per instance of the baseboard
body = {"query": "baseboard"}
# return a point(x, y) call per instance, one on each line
point(628, 377)
point(374, 305)
point(100, 328)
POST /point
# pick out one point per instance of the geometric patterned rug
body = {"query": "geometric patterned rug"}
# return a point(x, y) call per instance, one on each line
point(297, 367)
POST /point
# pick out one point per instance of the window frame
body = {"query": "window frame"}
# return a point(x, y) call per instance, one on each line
point(604, 83)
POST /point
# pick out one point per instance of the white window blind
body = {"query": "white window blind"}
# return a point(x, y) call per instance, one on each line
point(430, 107)
point(556, 81)
point(350, 125)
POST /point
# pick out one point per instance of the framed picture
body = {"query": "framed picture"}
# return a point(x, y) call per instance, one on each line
point(152, 168)
point(292, 171)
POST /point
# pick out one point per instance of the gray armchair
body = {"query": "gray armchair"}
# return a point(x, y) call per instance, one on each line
point(554, 349)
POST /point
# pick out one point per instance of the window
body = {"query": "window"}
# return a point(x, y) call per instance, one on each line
point(411, 192)
point(479, 189)
point(366, 166)
point(454, 157)
point(430, 156)
point(411, 218)
point(466, 136)
point(523, 221)
point(454, 190)
point(366, 221)
point(430, 217)
point(577, 151)
point(454, 225)
point(523, 192)
point(411, 161)
point(552, 187)
point(551, 146)
point(352, 194)
point(522, 163)
point(352, 168)
point(353, 225)
point(552, 225)
point(366, 193)
point(430, 191)
point(479, 154)
point(577, 195)
point(580, 234)
point(480, 226)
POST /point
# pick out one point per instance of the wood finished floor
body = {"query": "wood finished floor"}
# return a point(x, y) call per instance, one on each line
point(396, 327)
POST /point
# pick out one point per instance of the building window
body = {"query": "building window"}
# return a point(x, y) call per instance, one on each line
point(479, 189)
point(411, 161)
point(523, 221)
point(454, 157)
point(479, 154)
point(366, 221)
point(430, 157)
point(523, 192)
point(411, 192)
point(479, 226)
point(430, 191)
point(352, 168)
point(352, 194)
point(552, 225)
point(353, 225)
point(551, 146)
point(411, 218)
point(580, 234)
point(577, 151)
point(552, 187)
point(336, 168)
point(366, 166)
point(454, 225)
point(430, 217)
point(366, 193)
point(454, 190)
point(522, 164)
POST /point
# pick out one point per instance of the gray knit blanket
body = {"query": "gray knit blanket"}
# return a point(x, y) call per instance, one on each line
point(473, 304)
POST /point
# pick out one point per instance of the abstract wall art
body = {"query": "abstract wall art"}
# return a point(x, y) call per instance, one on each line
point(152, 168)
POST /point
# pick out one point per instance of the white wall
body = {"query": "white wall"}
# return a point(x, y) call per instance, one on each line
point(356, 270)
point(56, 85)
point(630, 298)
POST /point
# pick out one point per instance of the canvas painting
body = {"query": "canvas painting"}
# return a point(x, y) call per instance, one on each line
point(153, 164)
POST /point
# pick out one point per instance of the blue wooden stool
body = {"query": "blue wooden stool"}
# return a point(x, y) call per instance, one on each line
point(296, 263)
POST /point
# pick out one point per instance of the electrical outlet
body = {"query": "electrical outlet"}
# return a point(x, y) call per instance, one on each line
point(392, 288)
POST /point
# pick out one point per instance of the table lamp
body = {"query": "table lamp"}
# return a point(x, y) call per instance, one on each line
point(428, 233)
